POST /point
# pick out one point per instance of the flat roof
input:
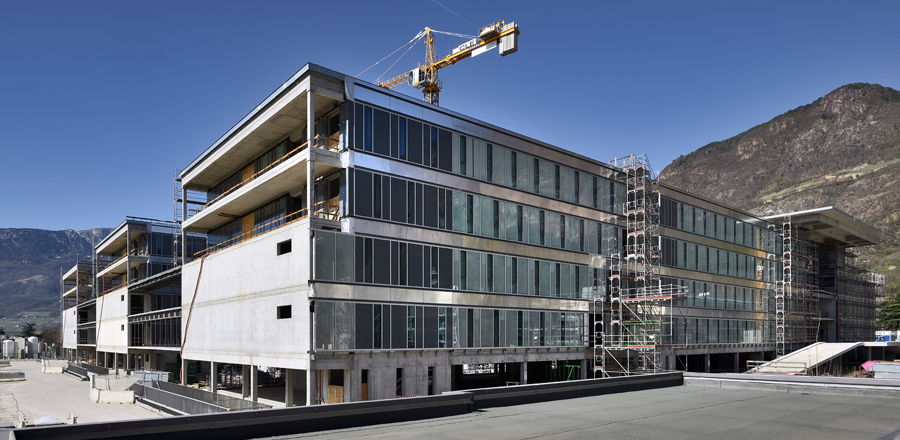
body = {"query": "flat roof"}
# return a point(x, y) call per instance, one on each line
point(834, 224)
point(681, 412)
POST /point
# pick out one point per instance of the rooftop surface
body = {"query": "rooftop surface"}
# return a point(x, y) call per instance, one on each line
point(57, 396)
point(682, 412)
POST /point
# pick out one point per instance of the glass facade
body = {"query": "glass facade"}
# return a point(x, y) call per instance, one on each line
point(688, 218)
point(342, 325)
point(365, 260)
point(381, 132)
point(399, 200)
point(697, 257)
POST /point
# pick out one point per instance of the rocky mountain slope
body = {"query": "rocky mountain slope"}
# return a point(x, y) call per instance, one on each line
point(842, 149)
point(30, 265)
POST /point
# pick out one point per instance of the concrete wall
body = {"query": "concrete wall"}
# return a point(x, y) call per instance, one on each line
point(234, 313)
point(69, 334)
point(105, 396)
point(112, 325)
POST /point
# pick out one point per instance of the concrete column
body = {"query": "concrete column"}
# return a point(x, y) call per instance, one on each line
point(737, 362)
point(184, 371)
point(523, 373)
point(349, 389)
point(706, 363)
point(584, 369)
point(288, 387)
point(311, 387)
point(310, 117)
point(245, 381)
point(353, 385)
point(254, 383)
point(213, 377)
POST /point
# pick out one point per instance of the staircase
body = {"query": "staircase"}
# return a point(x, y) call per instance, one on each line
point(806, 358)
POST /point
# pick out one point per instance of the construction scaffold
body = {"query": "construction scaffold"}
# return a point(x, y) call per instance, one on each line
point(633, 320)
point(797, 319)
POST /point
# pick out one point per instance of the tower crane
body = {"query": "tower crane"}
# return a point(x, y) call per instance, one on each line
point(425, 76)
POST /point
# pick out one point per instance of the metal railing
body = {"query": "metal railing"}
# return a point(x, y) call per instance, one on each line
point(259, 230)
point(191, 400)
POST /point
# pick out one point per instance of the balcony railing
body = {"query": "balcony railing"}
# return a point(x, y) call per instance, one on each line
point(321, 142)
point(259, 230)
point(327, 209)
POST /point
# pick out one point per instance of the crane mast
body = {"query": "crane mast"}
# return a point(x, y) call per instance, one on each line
point(500, 35)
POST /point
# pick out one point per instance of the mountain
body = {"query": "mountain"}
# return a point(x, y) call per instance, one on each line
point(31, 261)
point(842, 149)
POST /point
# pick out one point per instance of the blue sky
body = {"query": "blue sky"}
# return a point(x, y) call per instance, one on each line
point(101, 101)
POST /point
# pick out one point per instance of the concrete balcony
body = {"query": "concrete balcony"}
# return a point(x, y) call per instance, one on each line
point(122, 265)
point(289, 175)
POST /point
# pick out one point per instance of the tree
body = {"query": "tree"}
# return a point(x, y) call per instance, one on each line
point(51, 335)
point(28, 329)
point(889, 315)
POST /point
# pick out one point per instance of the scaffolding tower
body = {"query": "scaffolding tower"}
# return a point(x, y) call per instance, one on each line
point(633, 320)
point(797, 298)
point(780, 292)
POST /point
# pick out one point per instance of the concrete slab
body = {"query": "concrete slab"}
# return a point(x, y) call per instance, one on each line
point(678, 413)
point(58, 395)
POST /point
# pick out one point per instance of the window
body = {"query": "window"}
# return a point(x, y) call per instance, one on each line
point(283, 247)
point(283, 312)
point(367, 124)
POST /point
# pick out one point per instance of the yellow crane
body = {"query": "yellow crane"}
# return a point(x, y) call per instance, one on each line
point(425, 76)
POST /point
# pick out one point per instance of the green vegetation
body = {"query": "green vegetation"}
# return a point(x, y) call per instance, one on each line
point(889, 314)
point(28, 329)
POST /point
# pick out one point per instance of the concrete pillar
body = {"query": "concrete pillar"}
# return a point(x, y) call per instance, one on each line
point(184, 371)
point(310, 137)
point(353, 392)
point(523, 373)
point(584, 369)
point(245, 381)
point(737, 362)
point(254, 383)
point(311, 387)
point(288, 387)
point(706, 363)
point(213, 378)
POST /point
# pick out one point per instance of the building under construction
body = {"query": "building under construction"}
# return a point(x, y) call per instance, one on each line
point(367, 245)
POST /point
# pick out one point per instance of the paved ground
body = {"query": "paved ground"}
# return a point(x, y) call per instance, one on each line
point(56, 395)
point(685, 412)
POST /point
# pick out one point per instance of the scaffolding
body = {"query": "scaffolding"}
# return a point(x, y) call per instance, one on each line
point(633, 320)
point(858, 291)
point(797, 315)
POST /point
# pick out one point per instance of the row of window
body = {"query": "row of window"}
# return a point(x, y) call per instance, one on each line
point(692, 256)
point(403, 201)
point(396, 136)
point(688, 218)
point(687, 330)
point(346, 258)
point(357, 326)
point(724, 296)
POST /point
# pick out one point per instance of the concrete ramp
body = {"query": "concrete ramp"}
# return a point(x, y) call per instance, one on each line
point(806, 358)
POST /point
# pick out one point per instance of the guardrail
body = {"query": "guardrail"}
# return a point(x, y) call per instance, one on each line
point(179, 403)
point(295, 420)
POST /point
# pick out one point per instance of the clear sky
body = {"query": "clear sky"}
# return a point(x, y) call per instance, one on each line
point(101, 101)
